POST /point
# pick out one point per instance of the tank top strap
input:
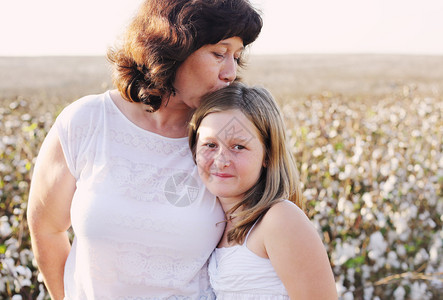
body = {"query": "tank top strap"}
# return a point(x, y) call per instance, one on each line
point(252, 227)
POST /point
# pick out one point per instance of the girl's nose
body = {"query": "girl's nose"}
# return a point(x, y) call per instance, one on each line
point(221, 160)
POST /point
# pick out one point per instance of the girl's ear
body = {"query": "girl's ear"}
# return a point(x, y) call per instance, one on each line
point(265, 159)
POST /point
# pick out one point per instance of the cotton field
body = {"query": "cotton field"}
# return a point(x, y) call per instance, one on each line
point(372, 173)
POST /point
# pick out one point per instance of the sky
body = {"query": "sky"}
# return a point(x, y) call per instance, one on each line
point(89, 27)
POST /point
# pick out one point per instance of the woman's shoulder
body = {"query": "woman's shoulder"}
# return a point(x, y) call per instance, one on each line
point(83, 109)
point(86, 103)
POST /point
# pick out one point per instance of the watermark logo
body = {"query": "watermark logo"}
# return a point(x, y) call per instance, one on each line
point(181, 189)
point(233, 129)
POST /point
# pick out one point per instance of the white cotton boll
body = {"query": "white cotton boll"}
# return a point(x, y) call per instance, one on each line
point(424, 216)
point(12, 245)
point(348, 296)
point(388, 185)
point(9, 265)
point(367, 198)
point(399, 293)
point(367, 214)
point(377, 153)
point(380, 262)
point(401, 250)
point(435, 248)
point(2, 284)
point(421, 257)
point(400, 223)
point(349, 170)
point(393, 259)
point(342, 253)
point(21, 270)
point(25, 282)
point(391, 237)
point(341, 158)
point(377, 246)
point(412, 210)
point(26, 255)
point(341, 204)
point(332, 133)
point(431, 223)
point(367, 293)
point(394, 163)
point(16, 297)
point(385, 169)
point(341, 289)
point(333, 169)
point(365, 272)
point(350, 276)
point(317, 152)
point(404, 266)
point(314, 168)
point(42, 293)
point(418, 291)
point(381, 219)
point(308, 194)
point(5, 229)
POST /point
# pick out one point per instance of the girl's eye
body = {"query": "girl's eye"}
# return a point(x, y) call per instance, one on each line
point(211, 145)
point(239, 147)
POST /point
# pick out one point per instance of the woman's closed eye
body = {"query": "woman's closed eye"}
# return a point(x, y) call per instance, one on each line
point(218, 55)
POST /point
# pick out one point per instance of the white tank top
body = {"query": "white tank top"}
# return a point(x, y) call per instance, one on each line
point(144, 223)
point(237, 273)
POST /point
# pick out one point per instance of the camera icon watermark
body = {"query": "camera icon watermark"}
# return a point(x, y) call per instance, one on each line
point(234, 129)
point(181, 189)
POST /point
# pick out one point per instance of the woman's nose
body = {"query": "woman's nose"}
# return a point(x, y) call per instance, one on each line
point(228, 72)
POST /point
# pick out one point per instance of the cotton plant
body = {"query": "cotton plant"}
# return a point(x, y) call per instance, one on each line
point(371, 172)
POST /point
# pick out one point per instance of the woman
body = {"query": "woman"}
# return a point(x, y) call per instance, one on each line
point(116, 166)
point(269, 249)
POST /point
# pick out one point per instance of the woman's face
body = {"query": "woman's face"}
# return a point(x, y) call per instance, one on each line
point(229, 154)
point(208, 69)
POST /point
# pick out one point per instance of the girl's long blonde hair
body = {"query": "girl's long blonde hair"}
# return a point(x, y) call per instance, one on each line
point(279, 178)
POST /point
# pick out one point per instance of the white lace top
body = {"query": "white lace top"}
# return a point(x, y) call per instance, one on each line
point(237, 273)
point(144, 223)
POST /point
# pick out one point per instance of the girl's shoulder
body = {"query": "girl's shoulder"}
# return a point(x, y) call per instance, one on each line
point(284, 216)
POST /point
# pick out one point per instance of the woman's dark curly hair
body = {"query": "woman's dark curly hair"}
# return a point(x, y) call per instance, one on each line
point(165, 32)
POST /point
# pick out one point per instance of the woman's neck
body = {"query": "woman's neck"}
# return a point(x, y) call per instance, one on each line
point(168, 121)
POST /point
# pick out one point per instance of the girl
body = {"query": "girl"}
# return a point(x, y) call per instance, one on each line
point(269, 249)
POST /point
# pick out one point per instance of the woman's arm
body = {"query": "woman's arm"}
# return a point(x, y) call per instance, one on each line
point(48, 213)
point(297, 253)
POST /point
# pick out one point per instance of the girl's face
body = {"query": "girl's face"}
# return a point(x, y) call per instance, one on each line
point(229, 154)
point(208, 69)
